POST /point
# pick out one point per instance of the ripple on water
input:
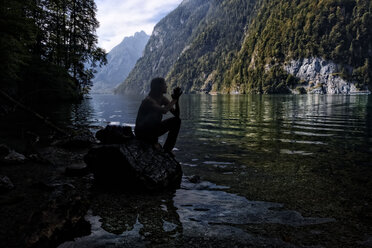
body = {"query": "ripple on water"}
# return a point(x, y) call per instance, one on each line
point(302, 142)
point(322, 124)
point(309, 134)
point(188, 164)
point(217, 163)
point(291, 152)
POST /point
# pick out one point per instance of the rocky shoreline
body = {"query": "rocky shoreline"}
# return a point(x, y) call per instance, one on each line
point(44, 195)
point(42, 205)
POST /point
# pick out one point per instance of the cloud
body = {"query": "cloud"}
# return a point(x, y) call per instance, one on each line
point(122, 18)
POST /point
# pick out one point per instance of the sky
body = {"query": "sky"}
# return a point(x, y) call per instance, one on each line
point(122, 18)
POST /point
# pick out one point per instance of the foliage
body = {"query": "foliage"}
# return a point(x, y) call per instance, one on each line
point(283, 30)
point(45, 45)
point(241, 46)
point(218, 38)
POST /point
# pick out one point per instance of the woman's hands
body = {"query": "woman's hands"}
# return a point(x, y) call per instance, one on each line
point(177, 92)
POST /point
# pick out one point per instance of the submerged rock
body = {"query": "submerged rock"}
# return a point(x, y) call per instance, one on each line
point(14, 158)
point(133, 165)
point(5, 184)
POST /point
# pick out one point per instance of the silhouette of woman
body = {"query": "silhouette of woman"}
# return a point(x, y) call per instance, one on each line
point(149, 123)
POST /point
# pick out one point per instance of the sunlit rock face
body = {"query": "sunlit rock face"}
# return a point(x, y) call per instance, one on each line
point(322, 77)
point(120, 61)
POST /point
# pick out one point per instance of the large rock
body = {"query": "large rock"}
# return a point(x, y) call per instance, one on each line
point(133, 165)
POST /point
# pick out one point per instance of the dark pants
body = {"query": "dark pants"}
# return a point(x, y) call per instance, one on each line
point(151, 134)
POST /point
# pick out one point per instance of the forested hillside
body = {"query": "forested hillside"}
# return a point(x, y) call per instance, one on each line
point(338, 31)
point(261, 46)
point(44, 46)
point(219, 37)
point(190, 44)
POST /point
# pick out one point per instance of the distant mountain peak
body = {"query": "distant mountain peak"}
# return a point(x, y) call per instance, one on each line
point(120, 61)
point(141, 33)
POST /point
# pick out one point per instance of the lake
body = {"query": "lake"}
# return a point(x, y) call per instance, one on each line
point(276, 170)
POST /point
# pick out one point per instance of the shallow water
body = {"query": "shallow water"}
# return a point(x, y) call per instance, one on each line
point(194, 211)
point(276, 171)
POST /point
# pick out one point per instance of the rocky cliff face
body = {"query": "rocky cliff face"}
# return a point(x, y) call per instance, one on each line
point(120, 61)
point(322, 77)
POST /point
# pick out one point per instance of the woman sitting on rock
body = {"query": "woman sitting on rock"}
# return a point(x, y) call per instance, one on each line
point(149, 123)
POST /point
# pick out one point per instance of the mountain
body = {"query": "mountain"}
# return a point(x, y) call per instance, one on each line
point(322, 47)
point(120, 61)
point(189, 44)
point(260, 46)
point(171, 36)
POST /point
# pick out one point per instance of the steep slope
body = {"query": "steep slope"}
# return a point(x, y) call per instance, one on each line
point(169, 38)
point(260, 46)
point(120, 61)
point(305, 46)
point(219, 38)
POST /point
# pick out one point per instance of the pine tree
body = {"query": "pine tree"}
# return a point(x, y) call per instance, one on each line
point(45, 44)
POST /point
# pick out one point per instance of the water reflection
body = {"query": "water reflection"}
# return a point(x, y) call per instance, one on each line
point(156, 213)
point(197, 211)
point(120, 219)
